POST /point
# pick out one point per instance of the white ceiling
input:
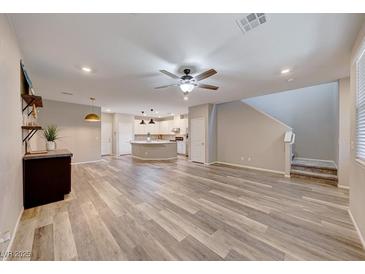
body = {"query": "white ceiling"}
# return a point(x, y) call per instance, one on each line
point(127, 51)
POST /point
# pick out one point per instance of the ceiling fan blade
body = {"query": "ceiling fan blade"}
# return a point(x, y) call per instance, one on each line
point(169, 74)
point(205, 74)
point(207, 86)
point(165, 86)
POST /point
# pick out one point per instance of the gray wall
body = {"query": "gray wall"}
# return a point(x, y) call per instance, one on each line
point(82, 138)
point(212, 132)
point(312, 112)
point(248, 137)
point(11, 151)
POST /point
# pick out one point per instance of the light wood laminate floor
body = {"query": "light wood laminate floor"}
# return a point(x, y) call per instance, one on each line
point(126, 209)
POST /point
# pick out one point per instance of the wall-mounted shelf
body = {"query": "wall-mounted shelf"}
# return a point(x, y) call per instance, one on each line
point(32, 131)
point(162, 134)
point(32, 127)
point(32, 100)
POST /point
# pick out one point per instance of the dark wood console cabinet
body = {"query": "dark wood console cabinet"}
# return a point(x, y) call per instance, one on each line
point(46, 177)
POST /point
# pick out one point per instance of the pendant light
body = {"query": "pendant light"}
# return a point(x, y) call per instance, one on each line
point(142, 122)
point(151, 121)
point(92, 117)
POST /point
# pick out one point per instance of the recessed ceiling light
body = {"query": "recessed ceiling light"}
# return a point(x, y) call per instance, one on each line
point(156, 112)
point(285, 71)
point(108, 110)
point(159, 116)
point(86, 69)
point(290, 79)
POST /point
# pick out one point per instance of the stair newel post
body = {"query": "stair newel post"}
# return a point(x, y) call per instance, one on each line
point(289, 139)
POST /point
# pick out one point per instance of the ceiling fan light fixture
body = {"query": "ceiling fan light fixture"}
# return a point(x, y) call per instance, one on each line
point(187, 87)
point(186, 96)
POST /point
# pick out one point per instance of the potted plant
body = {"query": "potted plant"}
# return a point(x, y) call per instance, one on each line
point(51, 135)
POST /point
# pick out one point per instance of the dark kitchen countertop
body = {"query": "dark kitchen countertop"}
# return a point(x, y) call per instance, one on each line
point(49, 154)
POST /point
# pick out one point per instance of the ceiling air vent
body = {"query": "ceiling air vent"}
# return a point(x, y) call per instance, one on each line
point(66, 93)
point(251, 21)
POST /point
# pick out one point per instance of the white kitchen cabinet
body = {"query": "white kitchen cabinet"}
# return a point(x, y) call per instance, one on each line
point(170, 126)
point(164, 127)
point(161, 127)
point(138, 128)
point(148, 128)
point(183, 126)
point(176, 121)
point(156, 128)
point(152, 128)
point(180, 123)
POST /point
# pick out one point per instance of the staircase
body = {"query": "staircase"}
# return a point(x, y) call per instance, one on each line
point(323, 171)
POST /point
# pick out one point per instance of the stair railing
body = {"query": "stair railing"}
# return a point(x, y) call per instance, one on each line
point(289, 140)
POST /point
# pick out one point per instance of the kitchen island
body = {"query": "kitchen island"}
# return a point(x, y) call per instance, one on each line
point(154, 150)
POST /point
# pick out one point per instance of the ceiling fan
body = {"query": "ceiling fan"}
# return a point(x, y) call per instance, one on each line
point(188, 82)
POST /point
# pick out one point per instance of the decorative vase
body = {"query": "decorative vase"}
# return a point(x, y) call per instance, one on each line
point(51, 145)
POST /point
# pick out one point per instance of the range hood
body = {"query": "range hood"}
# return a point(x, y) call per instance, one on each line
point(176, 130)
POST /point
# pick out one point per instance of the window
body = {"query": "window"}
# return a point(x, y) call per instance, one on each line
point(360, 108)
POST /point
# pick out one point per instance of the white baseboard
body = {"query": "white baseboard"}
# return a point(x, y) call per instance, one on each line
point(154, 159)
point(357, 229)
point(86, 162)
point(252, 167)
point(10, 245)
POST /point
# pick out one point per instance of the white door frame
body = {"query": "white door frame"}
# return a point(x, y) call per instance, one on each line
point(108, 142)
point(201, 158)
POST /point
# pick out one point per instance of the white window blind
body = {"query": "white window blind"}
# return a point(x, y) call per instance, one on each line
point(360, 108)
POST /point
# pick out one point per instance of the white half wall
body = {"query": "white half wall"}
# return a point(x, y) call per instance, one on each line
point(82, 138)
point(248, 137)
point(11, 150)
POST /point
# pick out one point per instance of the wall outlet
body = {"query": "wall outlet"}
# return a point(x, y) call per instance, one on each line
point(242, 158)
point(6, 236)
point(249, 159)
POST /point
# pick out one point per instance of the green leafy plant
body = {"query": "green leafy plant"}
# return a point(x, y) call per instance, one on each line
point(51, 133)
